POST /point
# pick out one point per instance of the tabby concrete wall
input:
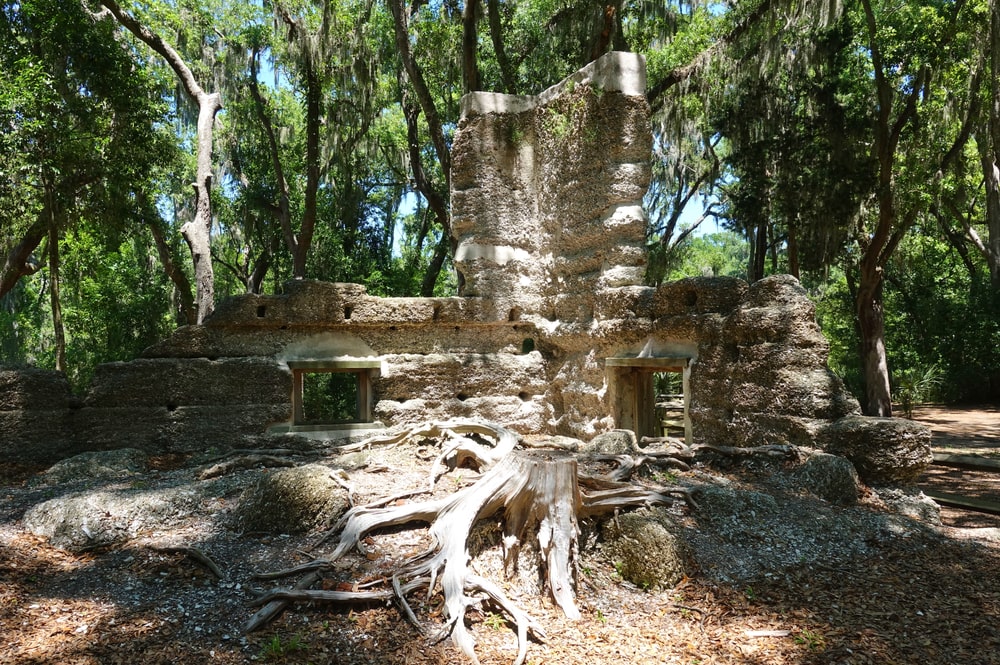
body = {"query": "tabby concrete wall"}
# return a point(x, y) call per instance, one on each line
point(547, 217)
point(36, 416)
point(758, 371)
point(547, 191)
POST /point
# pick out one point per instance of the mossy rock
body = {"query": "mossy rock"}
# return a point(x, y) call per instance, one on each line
point(646, 548)
point(292, 501)
point(98, 465)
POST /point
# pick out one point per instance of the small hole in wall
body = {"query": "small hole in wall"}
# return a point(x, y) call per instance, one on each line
point(392, 329)
point(462, 397)
point(523, 396)
point(348, 310)
point(457, 328)
point(690, 298)
point(261, 311)
point(514, 314)
point(171, 408)
point(528, 345)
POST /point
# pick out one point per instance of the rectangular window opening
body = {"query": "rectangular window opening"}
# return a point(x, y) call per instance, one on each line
point(332, 392)
point(668, 392)
point(330, 398)
point(653, 395)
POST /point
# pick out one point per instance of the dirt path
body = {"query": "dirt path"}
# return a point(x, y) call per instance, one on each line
point(913, 596)
point(963, 431)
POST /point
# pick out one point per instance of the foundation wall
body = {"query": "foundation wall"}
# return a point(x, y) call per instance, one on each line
point(547, 217)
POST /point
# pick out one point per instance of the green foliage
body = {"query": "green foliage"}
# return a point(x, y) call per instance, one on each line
point(495, 621)
point(835, 315)
point(941, 316)
point(85, 134)
point(915, 385)
point(117, 305)
point(722, 254)
point(330, 397)
point(811, 639)
point(668, 383)
point(278, 648)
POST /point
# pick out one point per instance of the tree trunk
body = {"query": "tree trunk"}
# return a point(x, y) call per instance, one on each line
point(415, 76)
point(758, 254)
point(990, 154)
point(878, 245)
point(793, 249)
point(470, 43)
point(871, 325)
point(255, 281)
point(435, 266)
point(605, 28)
point(19, 261)
point(178, 277)
point(991, 248)
point(549, 498)
point(436, 203)
point(314, 92)
point(282, 209)
point(59, 332)
point(197, 232)
point(499, 48)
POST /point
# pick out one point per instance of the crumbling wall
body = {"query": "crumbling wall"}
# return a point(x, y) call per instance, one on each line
point(36, 415)
point(547, 216)
point(547, 191)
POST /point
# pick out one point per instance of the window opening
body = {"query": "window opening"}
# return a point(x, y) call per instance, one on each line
point(668, 395)
point(332, 392)
point(653, 395)
point(330, 397)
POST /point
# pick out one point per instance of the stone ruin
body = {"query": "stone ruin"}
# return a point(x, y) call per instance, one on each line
point(553, 333)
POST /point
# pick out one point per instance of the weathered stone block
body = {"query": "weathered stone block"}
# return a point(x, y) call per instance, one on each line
point(829, 477)
point(97, 465)
point(292, 501)
point(37, 435)
point(885, 451)
point(158, 430)
point(615, 442)
point(646, 548)
point(461, 376)
point(699, 295)
point(174, 382)
point(31, 388)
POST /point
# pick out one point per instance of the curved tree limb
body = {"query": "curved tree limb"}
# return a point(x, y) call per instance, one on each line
point(197, 232)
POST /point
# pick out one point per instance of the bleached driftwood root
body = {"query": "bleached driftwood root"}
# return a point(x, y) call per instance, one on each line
point(536, 491)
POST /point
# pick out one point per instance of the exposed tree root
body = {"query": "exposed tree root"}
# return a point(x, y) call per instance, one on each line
point(678, 451)
point(244, 462)
point(537, 491)
point(197, 555)
point(776, 451)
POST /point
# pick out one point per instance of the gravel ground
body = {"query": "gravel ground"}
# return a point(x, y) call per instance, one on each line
point(784, 578)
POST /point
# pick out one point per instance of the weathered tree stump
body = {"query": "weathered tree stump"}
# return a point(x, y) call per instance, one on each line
point(546, 494)
point(536, 490)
